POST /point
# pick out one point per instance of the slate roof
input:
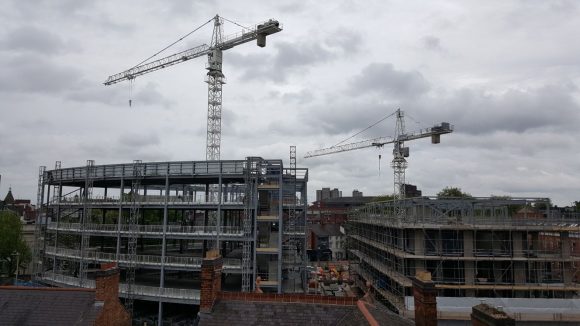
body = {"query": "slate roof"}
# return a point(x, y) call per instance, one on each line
point(48, 306)
point(233, 313)
point(386, 317)
point(9, 199)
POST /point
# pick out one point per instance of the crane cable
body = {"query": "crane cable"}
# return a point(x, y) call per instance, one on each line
point(159, 52)
point(367, 128)
point(172, 44)
point(233, 22)
point(414, 120)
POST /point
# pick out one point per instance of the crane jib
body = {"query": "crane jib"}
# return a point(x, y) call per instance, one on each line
point(158, 64)
point(434, 132)
point(258, 32)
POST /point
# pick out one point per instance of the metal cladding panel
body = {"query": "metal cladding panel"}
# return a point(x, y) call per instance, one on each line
point(261, 40)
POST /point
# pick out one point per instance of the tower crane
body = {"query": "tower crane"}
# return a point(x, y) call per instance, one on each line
point(400, 152)
point(215, 77)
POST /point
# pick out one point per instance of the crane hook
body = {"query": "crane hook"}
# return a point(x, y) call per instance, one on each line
point(131, 93)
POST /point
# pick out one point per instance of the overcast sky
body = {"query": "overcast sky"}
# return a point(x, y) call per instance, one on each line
point(504, 73)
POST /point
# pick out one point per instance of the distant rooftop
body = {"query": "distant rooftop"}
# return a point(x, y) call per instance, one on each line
point(325, 230)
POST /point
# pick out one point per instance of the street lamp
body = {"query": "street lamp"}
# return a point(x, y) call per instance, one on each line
point(17, 254)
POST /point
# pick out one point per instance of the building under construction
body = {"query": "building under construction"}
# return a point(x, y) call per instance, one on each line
point(157, 220)
point(514, 249)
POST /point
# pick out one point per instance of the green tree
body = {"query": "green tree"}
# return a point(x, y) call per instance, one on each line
point(383, 198)
point(452, 192)
point(576, 206)
point(542, 204)
point(512, 208)
point(12, 242)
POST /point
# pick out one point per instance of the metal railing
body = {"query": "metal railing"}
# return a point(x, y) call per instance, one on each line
point(145, 200)
point(148, 292)
point(145, 230)
point(458, 212)
point(156, 169)
point(170, 262)
point(297, 230)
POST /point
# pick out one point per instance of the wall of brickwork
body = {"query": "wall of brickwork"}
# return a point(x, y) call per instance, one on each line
point(107, 290)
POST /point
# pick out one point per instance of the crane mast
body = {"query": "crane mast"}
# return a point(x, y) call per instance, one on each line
point(215, 77)
point(215, 80)
point(400, 152)
point(399, 164)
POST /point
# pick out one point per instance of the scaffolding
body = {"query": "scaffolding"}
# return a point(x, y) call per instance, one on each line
point(250, 179)
point(86, 217)
point(39, 243)
point(153, 220)
point(133, 227)
point(473, 247)
point(294, 237)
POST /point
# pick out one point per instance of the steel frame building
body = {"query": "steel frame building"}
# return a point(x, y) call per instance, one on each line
point(473, 247)
point(157, 220)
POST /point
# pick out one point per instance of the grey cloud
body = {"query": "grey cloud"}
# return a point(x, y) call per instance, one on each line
point(95, 92)
point(338, 43)
point(431, 43)
point(384, 79)
point(33, 73)
point(149, 95)
point(229, 121)
point(119, 94)
point(347, 41)
point(301, 97)
point(472, 111)
point(292, 7)
point(35, 40)
point(83, 14)
point(297, 57)
point(341, 116)
point(129, 146)
point(476, 111)
point(62, 7)
point(98, 93)
point(138, 140)
point(292, 55)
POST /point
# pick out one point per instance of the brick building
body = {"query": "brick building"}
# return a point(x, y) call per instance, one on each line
point(22, 207)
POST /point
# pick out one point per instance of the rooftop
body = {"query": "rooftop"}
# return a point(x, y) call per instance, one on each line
point(272, 309)
point(48, 306)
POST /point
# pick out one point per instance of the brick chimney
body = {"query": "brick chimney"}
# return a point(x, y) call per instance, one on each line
point(425, 296)
point(211, 280)
point(486, 315)
point(107, 290)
